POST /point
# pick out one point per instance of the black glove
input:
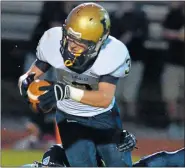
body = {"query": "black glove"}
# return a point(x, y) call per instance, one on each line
point(54, 92)
point(24, 83)
point(128, 142)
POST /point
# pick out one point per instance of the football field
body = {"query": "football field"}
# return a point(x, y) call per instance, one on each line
point(11, 158)
point(19, 158)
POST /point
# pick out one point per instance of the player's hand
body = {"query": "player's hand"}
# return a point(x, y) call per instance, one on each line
point(54, 92)
point(24, 82)
point(128, 141)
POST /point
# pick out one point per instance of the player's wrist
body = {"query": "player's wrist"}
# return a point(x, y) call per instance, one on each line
point(66, 91)
point(75, 93)
point(24, 82)
point(22, 86)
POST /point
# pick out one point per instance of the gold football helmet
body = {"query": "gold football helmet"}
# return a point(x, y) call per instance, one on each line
point(87, 27)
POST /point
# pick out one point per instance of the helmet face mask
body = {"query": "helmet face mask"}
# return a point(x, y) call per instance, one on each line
point(75, 47)
point(85, 30)
point(76, 63)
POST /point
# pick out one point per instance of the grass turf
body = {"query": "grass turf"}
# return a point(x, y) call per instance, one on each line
point(11, 158)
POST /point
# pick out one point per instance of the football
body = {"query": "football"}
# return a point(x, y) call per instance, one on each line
point(33, 92)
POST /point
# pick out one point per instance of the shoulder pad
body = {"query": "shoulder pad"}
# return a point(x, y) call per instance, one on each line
point(47, 40)
point(124, 69)
point(111, 57)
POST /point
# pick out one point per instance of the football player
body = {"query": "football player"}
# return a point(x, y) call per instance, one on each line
point(55, 157)
point(163, 159)
point(89, 63)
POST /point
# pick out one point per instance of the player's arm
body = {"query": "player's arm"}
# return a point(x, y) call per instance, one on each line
point(33, 69)
point(107, 86)
point(37, 69)
point(100, 98)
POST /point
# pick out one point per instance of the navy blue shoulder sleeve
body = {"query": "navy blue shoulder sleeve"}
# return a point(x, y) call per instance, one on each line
point(109, 79)
point(43, 66)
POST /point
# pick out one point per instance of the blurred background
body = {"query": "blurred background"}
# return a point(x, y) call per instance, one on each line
point(151, 98)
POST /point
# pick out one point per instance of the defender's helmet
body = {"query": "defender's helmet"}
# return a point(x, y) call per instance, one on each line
point(86, 27)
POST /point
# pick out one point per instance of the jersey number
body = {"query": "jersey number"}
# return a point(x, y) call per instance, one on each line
point(81, 86)
point(127, 70)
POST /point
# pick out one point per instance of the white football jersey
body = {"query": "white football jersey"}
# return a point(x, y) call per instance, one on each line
point(112, 59)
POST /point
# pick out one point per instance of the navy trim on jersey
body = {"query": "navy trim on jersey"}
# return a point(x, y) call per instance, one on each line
point(43, 66)
point(109, 79)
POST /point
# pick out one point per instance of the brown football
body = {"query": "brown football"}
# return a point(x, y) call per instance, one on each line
point(33, 92)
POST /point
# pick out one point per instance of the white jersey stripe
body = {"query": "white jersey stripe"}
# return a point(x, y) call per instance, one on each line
point(74, 108)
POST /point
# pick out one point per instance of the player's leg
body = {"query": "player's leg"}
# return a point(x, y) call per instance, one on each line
point(112, 157)
point(79, 149)
point(107, 142)
point(163, 159)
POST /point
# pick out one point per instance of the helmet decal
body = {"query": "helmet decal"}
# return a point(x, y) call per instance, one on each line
point(73, 33)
